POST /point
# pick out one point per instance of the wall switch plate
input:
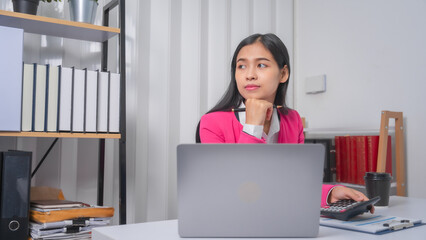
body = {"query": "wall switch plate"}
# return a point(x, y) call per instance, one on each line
point(315, 84)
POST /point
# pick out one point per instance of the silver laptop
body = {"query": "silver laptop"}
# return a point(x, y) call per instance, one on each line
point(249, 190)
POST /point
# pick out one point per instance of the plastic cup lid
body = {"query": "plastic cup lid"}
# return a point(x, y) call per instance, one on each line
point(377, 175)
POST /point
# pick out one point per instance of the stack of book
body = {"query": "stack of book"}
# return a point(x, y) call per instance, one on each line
point(62, 219)
point(57, 98)
point(356, 155)
point(51, 98)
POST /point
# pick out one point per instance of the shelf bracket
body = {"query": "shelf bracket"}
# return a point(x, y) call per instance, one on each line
point(44, 157)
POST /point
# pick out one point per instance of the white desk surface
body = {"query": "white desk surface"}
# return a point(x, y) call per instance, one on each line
point(398, 206)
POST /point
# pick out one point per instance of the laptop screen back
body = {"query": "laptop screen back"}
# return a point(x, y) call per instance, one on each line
point(249, 190)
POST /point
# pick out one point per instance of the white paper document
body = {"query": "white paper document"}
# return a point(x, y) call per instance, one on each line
point(371, 223)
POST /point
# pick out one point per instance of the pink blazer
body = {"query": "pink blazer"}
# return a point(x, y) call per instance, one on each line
point(224, 127)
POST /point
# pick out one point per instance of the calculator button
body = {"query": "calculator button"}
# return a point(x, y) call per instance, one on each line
point(346, 209)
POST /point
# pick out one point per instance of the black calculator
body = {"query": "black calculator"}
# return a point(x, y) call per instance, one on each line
point(348, 208)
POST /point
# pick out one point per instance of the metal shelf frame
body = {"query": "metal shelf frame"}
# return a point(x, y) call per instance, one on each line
point(122, 140)
point(87, 32)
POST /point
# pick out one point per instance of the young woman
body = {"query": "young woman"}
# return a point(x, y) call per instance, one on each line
point(260, 70)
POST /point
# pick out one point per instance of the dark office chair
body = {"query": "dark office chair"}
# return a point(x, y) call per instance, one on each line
point(197, 134)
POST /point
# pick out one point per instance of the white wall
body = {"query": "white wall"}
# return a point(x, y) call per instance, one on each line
point(374, 57)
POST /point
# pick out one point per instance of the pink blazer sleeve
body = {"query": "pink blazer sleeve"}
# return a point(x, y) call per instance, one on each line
point(247, 138)
point(220, 127)
point(301, 135)
point(325, 191)
point(211, 136)
point(298, 122)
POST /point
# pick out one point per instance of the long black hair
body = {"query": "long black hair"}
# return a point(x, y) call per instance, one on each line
point(232, 97)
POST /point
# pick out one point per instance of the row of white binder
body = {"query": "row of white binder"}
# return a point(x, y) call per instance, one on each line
point(64, 99)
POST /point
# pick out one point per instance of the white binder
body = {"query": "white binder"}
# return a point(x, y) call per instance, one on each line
point(27, 97)
point(65, 82)
point(40, 98)
point(91, 100)
point(11, 47)
point(103, 83)
point(53, 98)
point(114, 103)
point(77, 120)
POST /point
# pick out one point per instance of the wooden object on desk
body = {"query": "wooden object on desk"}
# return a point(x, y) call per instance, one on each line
point(399, 151)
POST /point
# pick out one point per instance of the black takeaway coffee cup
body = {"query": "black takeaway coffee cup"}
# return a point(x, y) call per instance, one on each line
point(378, 184)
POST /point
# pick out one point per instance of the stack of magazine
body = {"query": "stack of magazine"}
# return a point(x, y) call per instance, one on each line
point(63, 219)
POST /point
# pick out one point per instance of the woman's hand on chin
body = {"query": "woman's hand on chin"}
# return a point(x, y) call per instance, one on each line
point(257, 111)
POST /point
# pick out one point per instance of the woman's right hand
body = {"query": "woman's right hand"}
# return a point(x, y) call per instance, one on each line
point(258, 111)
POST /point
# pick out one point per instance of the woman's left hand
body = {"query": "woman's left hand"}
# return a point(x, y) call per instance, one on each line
point(340, 192)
